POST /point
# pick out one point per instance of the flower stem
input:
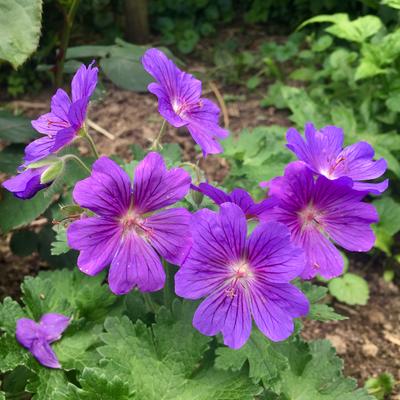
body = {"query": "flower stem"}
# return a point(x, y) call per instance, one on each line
point(195, 168)
point(92, 145)
point(78, 160)
point(169, 288)
point(156, 145)
point(149, 303)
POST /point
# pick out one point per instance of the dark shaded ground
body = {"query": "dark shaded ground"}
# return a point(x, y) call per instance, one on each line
point(369, 341)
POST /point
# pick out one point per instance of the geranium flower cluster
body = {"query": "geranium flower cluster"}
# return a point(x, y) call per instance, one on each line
point(130, 226)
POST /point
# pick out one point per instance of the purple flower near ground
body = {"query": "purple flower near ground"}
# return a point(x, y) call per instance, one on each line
point(322, 150)
point(26, 184)
point(67, 116)
point(320, 211)
point(179, 101)
point(37, 337)
point(127, 232)
point(241, 277)
point(239, 197)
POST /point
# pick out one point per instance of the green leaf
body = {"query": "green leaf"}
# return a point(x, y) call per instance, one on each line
point(175, 338)
point(48, 384)
point(130, 352)
point(15, 213)
point(357, 30)
point(69, 293)
point(265, 362)
point(97, 385)
point(10, 311)
point(60, 245)
point(350, 289)
point(20, 25)
point(318, 311)
point(392, 3)
point(388, 224)
point(15, 129)
point(12, 354)
point(381, 386)
point(10, 159)
point(320, 378)
point(73, 348)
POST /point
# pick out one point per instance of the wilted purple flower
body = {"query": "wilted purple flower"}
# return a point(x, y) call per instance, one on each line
point(37, 337)
point(316, 211)
point(66, 118)
point(126, 232)
point(179, 101)
point(239, 197)
point(26, 184)
point(242, 277)
point(322, 150)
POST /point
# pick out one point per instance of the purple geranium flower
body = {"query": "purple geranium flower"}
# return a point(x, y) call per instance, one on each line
point(37, 337)
point(242, 277)
point(66, 118)
point(179, 101)
point(239, 197)
point(26, 184)
point(318, 210)
point(126, 232)
point(322, 150)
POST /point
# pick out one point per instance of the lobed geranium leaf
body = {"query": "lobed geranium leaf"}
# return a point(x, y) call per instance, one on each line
point(131, 352)
point(48, 384)
point(318, 310)
point(320, 378)
point(175, 338)
point(10, 311)
point(95, 384)
point(265, 362)
point(12, 354)
point(60, 245)
point(67, 292)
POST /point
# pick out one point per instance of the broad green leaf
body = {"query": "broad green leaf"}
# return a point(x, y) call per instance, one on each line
point(391, 3)
point(265, 362)
point(318, 310)
point(48, 384)
point(69, 293)
point(320, 378)
point(12, 354)
point(368, 69)
point(175, 338)
point(382, 385)
point(130, 352)
point(357, 30)
point(11, 158)
point(87, 52)
point(15, 213)
point(95, 384)
point(13, 128)
point(350, 289)
point(388, 224)
point(60, 245)
point(10, 311)
point(73, 348)
point(20, 25)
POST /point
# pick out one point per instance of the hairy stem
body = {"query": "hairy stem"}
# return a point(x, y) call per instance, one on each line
point(78, 160)
point(68, 23)
point(169, 292)
point(156, 145)
point(149, 302)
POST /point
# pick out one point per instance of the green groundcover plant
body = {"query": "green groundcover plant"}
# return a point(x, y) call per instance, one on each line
point(205, 288)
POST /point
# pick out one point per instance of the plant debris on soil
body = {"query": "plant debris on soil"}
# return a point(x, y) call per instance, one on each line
point(369, 341)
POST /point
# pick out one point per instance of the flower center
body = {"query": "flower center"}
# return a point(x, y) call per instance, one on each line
point(310, 217)
point(131, 222)
point(241, 275)
point(181, 108)
point(330, 173)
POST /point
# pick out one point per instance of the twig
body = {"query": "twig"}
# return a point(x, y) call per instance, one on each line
point(99, 129)
point(221, 103)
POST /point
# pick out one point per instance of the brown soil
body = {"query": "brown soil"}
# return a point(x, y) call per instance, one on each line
point(369, 341)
